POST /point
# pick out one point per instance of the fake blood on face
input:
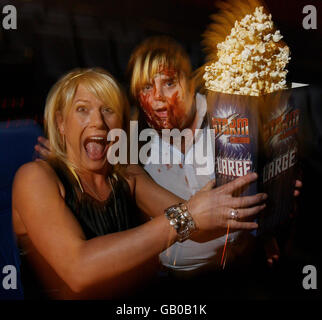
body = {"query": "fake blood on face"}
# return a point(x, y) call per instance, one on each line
point(175, 111)
point(166, 99)
point(148, 111)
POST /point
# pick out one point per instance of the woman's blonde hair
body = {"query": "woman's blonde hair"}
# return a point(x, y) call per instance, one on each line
point(59, 101)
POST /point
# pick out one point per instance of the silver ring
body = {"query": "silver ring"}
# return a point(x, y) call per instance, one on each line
point(234, 214)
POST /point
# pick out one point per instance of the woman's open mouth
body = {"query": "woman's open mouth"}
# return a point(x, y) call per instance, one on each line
point(96, 147)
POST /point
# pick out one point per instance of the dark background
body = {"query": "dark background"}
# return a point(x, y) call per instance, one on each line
point(52, 37)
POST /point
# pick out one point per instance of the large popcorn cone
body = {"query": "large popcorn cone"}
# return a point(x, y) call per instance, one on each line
point(234, 119)
point(253, 114)
point(259, 134)
point(279, 155)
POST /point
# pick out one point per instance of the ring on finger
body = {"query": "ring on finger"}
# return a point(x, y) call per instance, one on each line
point(233, 214)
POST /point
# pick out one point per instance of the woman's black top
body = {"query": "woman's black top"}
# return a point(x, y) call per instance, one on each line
point(96, 218)
point(118, 213)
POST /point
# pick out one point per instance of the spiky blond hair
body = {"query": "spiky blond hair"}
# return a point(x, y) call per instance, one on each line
point(153, 55)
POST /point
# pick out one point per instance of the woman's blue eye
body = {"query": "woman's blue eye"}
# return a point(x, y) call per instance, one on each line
point(81, 109)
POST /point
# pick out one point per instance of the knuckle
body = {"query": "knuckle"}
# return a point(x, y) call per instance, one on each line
point(235, 203)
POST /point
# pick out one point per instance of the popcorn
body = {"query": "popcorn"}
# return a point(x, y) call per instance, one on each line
point(251, 60)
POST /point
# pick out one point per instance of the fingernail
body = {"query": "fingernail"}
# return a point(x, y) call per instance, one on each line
point(264, 196)
point(254, 175)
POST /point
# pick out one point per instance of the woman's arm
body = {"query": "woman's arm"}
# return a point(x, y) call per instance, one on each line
point(55, 233)
point(150, 197)
point(210, 207)
point(38, 199)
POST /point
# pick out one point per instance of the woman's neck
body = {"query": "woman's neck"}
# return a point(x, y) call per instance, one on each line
point(96, 184)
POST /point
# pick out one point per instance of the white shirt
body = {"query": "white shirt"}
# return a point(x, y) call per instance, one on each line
point(183, 181)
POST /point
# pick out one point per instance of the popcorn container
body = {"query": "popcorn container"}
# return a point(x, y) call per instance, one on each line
point(259, 134)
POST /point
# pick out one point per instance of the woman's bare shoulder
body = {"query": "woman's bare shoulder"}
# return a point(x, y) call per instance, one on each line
point(34, 167)
point(34, 182)
point(34, 175)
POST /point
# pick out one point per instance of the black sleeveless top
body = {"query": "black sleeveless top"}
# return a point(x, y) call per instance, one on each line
point(96, 218)
point(118, 213)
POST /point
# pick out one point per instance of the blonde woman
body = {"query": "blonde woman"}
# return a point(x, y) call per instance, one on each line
point(77, 216)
